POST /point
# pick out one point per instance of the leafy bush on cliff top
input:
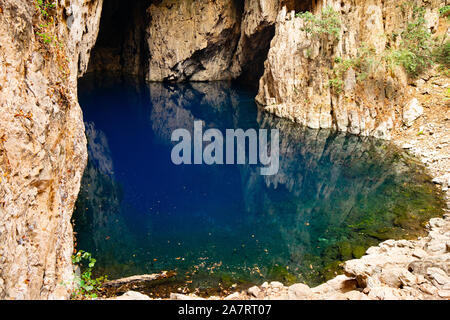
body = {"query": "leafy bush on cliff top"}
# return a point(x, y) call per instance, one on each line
point(418, 51)
point(445, 11)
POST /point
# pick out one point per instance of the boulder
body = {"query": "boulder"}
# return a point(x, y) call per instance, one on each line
point(411, 112)
point(133, 295)
point(254, 291)
point(299, 292)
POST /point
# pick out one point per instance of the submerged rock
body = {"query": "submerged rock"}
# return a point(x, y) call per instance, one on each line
point(137, 280)
point(393, 270)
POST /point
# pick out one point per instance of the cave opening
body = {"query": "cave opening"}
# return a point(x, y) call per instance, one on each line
point(255, 51)
point(256, 48)
point(121, 46)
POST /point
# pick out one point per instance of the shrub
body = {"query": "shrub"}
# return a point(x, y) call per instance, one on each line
point(328, 23)
point(441, 55)
point(45, 6)
point(336, 84)
point(88, 287)
point(363, 65)
point(445, 12)
point(416, 47)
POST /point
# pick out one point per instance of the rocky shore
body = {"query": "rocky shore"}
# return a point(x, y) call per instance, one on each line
point(393, 270)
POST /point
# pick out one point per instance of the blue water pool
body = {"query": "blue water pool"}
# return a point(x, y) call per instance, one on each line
point(216, 226)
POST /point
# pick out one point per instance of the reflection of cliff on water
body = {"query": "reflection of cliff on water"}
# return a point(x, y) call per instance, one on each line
point(334, 195)
point(340, 194)
point(97, 213)
point(178, 106)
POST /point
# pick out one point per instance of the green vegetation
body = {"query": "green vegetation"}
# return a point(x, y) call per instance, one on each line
point(445, 11)
point(282, 274)
point(46, 37)
point(45, 7)
point(418, 50)
point(363, 65)
point(441, 53)
point(88, 287)
point(414, 48)
point(45, 34)
point(336, 84)
point(329, 23)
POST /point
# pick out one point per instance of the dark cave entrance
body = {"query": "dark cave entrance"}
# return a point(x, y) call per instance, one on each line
point(255, 51)
point(121, 47)
point(256, 48)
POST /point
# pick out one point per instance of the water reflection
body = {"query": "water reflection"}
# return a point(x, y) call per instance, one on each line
point(333, 196)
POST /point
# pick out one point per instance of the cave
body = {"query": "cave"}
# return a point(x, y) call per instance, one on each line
point(121, 47)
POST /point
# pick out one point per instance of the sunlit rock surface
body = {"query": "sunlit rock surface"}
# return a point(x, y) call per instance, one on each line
point(42, 146)
point(297, 73)
point(192, 40)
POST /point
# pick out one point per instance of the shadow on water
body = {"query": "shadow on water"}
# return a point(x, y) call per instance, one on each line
point(217, 226)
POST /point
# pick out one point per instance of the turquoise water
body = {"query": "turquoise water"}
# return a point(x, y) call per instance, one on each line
point(215, 226)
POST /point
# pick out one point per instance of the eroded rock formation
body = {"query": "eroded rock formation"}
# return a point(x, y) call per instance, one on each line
point(42, 146)
point(192, 40)
point(296, 82)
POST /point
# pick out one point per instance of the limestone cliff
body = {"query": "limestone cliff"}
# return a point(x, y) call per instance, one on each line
point(257, 29)
point(210, 40)
point(296, 81)
point(42, 141)
point(192, 40)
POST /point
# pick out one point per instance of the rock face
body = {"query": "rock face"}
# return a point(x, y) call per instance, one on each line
point(296, 82)
point(257, 29)
point(192, 40)
point(42, 144)
point(218, 40)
